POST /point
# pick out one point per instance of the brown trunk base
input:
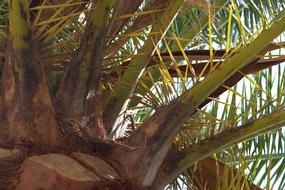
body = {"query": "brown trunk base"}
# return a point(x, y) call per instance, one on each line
point(57, 171)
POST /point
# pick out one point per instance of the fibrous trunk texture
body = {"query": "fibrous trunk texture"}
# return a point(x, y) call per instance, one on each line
point(26, 111)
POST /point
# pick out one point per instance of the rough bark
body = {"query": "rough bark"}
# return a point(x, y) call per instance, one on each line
point(28, 121)
point(55, 171)
point(10, 163)
point(26, 114)
point(79, 92)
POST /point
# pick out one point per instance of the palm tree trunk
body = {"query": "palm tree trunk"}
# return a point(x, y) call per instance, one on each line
point(27, 115)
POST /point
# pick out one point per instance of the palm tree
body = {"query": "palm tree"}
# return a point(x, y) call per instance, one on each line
point(142, 94)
